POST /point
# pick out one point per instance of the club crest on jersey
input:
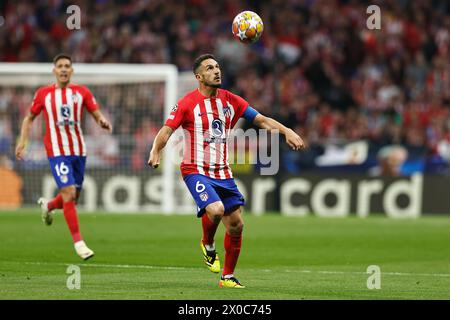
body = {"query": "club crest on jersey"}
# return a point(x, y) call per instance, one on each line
point(65, 111)
point(217, 128)
point(204, 196)
point(75, 98)
point(227, 112)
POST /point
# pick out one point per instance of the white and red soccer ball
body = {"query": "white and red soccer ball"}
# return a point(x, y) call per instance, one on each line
point(247, 27)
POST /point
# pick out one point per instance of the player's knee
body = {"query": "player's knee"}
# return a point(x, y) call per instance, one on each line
point(236, 227)
point(68, 194)
point(216, 211)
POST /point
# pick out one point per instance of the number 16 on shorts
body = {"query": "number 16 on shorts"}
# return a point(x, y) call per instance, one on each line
point(62, 171)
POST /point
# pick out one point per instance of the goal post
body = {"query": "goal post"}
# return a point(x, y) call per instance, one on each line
point(140, 95)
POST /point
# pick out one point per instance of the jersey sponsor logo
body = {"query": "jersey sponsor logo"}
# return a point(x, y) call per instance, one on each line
point(217, 127)
point(67, 122)
point(204, 196)
point(65, 111)
point(215, 140)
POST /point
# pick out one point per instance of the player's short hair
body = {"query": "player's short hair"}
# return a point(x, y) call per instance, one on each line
point(62, 56)
point(200, 59)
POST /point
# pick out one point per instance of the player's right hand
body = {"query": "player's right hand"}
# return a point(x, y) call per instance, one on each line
point(294, 140)
point(20, 151)
point(153, 160)
point(105, 124)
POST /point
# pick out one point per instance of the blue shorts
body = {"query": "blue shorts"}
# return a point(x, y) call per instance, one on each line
point(68, 170)
point(206, 190)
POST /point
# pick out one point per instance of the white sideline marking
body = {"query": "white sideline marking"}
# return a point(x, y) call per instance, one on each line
point(119, 266)
point(382, 273)
point(137, 266)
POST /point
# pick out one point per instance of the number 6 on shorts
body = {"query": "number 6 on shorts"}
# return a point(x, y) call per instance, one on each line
point(199, 187)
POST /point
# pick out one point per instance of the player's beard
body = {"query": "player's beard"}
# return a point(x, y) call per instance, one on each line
point(213, 85)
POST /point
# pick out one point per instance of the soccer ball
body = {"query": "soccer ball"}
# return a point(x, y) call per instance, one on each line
point(247, 27)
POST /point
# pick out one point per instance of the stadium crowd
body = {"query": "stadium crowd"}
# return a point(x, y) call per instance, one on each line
point(317, 67)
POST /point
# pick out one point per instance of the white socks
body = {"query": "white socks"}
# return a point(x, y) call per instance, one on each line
point(211, 247)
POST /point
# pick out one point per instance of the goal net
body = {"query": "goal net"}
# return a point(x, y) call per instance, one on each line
point(136, 99)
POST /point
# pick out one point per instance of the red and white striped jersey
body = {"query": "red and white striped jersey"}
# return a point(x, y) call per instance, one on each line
point(63, 111)
point(207, 122)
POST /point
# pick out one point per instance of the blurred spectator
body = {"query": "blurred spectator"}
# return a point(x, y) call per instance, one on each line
point(390, 161)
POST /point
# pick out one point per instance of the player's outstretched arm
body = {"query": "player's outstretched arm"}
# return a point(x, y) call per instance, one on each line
point(101, 120)
point(24, 133)
point(158, 145)
point(292, 139)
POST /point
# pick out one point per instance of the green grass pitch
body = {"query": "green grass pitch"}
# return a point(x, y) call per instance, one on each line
point(142, 256)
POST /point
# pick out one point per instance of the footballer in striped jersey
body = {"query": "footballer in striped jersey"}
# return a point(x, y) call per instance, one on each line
point(207, 115)
point(62, 105)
